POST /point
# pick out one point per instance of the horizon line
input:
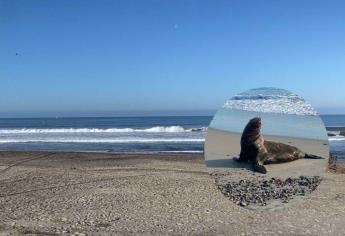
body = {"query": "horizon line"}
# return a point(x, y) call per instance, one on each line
point(124, 116)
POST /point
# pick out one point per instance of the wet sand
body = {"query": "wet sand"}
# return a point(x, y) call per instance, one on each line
point(222, 146)
point(129, 194)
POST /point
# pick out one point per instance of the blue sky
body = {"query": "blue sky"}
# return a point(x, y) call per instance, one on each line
point(106, 57)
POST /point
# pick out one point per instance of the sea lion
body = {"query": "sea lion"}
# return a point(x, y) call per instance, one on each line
point(252, 145)
point(258, 151)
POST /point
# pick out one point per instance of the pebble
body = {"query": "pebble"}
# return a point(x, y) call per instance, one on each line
point(261, 191)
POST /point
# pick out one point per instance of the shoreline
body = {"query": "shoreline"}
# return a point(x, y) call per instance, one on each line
point(109, 152)
point(274, 136)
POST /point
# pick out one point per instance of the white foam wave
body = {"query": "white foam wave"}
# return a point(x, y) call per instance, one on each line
point(130, 140)
point(270, 100)
point(156, 129)
point(336, 138)
point(282, 105)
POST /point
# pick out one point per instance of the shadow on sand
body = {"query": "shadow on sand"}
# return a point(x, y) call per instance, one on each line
point(228, 163)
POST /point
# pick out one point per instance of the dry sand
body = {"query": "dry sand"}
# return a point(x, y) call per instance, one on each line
point(98, 194)
point(222, 146)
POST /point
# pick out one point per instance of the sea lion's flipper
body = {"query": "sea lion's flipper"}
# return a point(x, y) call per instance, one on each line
point(311, 156)
point(241, 158)
point(259, 161)
point(259, 168)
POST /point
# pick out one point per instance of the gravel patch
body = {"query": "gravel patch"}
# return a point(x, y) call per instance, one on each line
point(261, 191)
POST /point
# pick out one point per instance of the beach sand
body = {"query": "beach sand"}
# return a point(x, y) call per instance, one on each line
point(222, 146)
point(126, 194)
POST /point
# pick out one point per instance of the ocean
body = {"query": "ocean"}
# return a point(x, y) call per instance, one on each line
point(283, 114)
point(335, 124)
point(126, 134)
point(105, 134)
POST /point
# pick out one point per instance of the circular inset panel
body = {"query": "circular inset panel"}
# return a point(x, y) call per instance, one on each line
point(266, 146)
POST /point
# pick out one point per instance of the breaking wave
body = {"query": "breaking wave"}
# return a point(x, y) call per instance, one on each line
point(114, 140)
point(336, 138)
point(156, 129)
point(271, 100)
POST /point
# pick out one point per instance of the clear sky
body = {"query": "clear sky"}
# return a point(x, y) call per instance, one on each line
point(99, 57)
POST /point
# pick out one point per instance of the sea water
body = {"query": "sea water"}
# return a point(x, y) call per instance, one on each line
point(277, 124)
point(126, 134)
point(113, 134)
point(283, 114)
point(335, 124)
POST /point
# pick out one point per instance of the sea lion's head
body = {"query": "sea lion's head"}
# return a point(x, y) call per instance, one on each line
point(255, 123)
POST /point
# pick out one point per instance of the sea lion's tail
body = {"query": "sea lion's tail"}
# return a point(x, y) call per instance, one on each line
point(311, 156)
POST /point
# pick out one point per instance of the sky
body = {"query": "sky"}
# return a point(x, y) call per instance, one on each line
point(85, 58)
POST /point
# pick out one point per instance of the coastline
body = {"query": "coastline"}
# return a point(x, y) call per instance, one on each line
point(102, 193)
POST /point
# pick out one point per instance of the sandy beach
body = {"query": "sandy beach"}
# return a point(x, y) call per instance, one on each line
point(127, 194)
point(222, 146)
